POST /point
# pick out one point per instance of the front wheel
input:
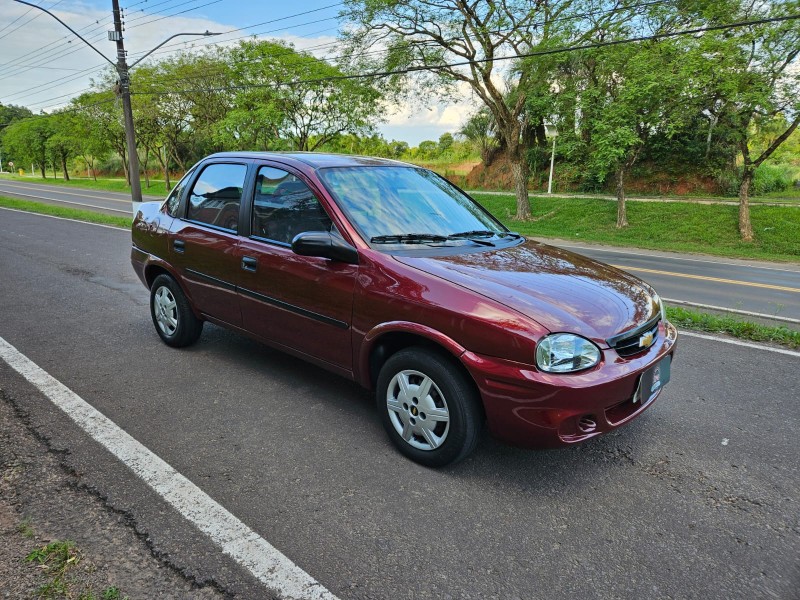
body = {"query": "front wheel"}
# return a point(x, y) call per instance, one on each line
point(172, 316)
point(429, 407)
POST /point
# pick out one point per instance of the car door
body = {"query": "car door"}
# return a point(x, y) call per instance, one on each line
point(300, 302)
point(205, 240)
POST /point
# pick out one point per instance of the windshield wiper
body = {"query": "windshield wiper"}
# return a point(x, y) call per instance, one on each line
point(408, 238)
point(473, 235)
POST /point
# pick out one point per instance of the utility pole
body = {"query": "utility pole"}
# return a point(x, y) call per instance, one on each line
point(124, 91)
point(552, 162)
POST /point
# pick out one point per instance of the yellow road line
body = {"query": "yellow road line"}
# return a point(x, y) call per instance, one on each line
point(716, 279)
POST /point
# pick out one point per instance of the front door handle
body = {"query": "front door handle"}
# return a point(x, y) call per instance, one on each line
point(179, 245)
point(249, 264)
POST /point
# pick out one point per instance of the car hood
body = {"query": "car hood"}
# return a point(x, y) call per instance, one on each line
point(560, 290)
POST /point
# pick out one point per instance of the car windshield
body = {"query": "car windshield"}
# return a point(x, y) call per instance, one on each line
point(407, 205)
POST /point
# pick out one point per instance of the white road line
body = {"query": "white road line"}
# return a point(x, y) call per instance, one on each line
point(28, 212)
point(235, 538)
point(714, 338)
point(124, 212)
point(734, 311)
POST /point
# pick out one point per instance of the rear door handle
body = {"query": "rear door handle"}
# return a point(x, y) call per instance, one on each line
point(249, 264)
point(179, 245)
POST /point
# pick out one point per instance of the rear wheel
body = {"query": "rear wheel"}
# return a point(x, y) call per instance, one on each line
point(429, 408)
point(172, 316)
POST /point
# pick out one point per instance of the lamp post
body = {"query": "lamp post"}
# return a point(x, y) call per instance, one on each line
point(123, 89)
point(553, 132)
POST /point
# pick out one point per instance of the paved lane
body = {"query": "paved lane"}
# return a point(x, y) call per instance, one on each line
point(697, 499)
point(768, 288)
point(765, 288)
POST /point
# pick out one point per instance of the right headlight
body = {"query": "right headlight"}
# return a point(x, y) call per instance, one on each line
point(565, 353)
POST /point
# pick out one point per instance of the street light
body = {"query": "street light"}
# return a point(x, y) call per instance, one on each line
point(124, 92)
point(550, 130)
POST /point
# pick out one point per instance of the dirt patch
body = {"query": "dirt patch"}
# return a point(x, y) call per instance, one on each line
point(498, 176)
point(41, 503)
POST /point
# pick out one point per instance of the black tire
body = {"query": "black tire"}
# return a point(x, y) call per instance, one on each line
point(187, 327)
point(451, 391)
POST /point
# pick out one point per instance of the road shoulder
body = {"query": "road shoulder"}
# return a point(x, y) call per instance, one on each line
point(42, 500)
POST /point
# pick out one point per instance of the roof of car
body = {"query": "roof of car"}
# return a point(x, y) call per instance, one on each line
point(315, 160)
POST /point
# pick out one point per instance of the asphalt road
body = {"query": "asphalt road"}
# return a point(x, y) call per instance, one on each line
point(113, 203)
point(698, 498)
point(750, 286)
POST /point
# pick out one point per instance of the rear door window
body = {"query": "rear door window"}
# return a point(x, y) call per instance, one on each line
point(216, 196)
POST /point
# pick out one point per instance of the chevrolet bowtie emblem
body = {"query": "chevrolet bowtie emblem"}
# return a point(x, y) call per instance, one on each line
point(646, 340)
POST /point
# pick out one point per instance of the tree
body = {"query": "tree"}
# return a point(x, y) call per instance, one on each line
point(427, 36)
point(753, 80)
point(480, 131)
point(89, 141)
point(26, 140)
point(295, 96)
point(640, 94)
point(62, 143)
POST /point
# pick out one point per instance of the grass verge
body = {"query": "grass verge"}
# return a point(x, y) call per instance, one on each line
point(738, 328)
point(58, 561)
point(675, 226)
point(157, 187)
point(66, 213)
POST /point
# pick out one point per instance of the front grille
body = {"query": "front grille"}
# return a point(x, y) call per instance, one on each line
point(632, 342)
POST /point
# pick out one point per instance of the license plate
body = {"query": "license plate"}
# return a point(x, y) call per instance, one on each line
point(652, 380)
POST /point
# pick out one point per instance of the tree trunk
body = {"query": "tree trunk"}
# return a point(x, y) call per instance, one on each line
point(144, 169)
point(622, 216)
point(44, 173)
point(124, 156)
point(712, 123)
point(745, 227)
point(520, 171)
point(165, 167)
point(64, 167)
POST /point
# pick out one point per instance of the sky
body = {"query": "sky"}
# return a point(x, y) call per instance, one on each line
point(42, 65)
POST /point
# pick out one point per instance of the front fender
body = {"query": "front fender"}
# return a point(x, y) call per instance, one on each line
point(375, 334)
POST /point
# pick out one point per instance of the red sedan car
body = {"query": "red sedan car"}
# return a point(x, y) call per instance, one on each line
point(389, 275)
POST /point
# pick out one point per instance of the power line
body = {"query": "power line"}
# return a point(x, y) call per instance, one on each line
point(45, 59)
point(499, 31)
point(81, 74)
point(465, 63)
point(5, 35)
point(60, 41)
point(177, 13)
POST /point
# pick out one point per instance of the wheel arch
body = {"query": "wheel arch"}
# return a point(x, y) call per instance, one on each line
point(153, 270)
point(387, 339)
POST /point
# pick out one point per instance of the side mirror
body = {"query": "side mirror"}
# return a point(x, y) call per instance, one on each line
point(325, 245)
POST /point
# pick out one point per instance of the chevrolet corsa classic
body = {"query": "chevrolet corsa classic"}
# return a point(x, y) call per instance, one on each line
point(389, 275)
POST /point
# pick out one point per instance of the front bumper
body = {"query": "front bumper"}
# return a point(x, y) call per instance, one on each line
point(529, 408)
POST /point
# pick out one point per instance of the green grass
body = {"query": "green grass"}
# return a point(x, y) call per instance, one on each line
point(772, 198)
point(156, 188)
point(746, 330)
point(58, 561)
point(66, 213)
point(674, 226)
point(55, 559)
point(25, 529)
